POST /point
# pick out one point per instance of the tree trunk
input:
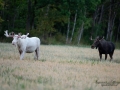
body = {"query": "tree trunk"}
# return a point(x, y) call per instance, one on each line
point(28, 23)
point(73, 27)
point(118, 31)
point(68, 30)
point(81, 29)
point(101, 14)
point(94, 22)
point(99, 17)
point(48, 7)
point(15, 16)
point(112, 15)
point(112, 25)
point(33, 15)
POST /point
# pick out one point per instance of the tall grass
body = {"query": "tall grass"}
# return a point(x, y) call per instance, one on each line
point(59, 68)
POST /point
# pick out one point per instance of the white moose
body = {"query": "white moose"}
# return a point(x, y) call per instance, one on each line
point(25, 44)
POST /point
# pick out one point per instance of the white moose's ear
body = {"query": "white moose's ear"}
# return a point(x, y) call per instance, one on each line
point(19, 34)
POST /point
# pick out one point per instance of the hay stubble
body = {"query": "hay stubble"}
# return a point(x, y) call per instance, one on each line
point(59, 68)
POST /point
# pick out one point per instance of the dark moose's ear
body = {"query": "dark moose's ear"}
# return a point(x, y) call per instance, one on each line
point(101, 37)
point(96, 47)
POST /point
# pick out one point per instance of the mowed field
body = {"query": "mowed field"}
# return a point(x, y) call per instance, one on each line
point(58, 68)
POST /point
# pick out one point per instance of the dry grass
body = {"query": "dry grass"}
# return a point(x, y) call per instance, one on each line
point(59, 68)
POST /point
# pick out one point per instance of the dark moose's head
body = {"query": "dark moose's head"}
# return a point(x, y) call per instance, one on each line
point(96, 42)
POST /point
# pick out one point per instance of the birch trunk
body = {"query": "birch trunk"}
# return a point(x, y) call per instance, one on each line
point(112, 25)
point(33, 15)
point(28, 26)
point(73, 27)
point(68, 30)
point(101, 14)
point(15, 16)
point(94, 21)
point(81, 29)
point(99, 19)
point(118, 31)
point(111, 20)
point(48, 7)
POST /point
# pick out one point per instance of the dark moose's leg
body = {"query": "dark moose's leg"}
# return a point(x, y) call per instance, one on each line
point(100, 56)
point(105, 56)
point(111, 56)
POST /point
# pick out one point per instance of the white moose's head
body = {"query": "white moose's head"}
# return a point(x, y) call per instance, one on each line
point(15, 36)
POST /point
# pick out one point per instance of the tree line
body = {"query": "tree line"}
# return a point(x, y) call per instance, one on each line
point(61, 21)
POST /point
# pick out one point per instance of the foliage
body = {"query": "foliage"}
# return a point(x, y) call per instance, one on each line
point(49, 19)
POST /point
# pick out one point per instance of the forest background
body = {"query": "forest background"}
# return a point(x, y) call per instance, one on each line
point(61, 21)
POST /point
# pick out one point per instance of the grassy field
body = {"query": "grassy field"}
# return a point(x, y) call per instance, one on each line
point(59, 68)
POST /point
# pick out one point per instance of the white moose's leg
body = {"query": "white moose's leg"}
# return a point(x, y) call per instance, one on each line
point(36, 53)
point(20, 52)
point(22, 55)
point(35, 56)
